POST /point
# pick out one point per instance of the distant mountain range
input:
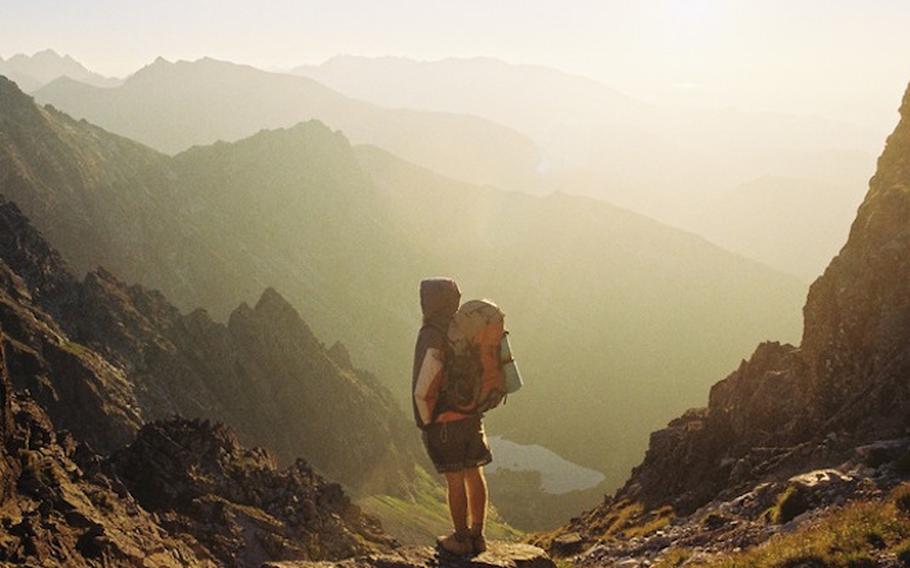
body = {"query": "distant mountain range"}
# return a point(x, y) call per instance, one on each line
point(618, 319)
point(520, 127)
point(583, 125)
point(677, 164)
point(31, 72)
point(173, 106)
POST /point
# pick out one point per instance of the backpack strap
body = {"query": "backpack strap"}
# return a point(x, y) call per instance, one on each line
point(441, 401)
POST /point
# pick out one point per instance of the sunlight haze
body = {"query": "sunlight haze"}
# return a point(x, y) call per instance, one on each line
point(829, 57)
point(269, 271)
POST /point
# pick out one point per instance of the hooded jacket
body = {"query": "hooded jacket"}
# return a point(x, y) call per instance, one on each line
point(439, 299)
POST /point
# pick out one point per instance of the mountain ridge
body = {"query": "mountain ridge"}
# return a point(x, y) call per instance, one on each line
point(206, 100)
point(34, 71)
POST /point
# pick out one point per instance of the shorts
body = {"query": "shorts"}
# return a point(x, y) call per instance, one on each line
point(457, 445)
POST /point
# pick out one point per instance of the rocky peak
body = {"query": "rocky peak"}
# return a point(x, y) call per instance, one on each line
point(273, 319)
point(342, 357)
point(16, 104)
point(27, 253)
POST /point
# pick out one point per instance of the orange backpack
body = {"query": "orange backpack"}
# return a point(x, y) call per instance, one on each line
point(479, 370)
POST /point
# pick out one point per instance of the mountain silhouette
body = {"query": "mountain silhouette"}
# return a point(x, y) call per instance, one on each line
point(682, 165)
point(173, 106)
point(31, 72)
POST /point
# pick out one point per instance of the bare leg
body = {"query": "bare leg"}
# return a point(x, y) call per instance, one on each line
point(477, 496)
point(458, 499)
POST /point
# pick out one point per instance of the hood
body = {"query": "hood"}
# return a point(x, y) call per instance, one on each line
point(439, 299)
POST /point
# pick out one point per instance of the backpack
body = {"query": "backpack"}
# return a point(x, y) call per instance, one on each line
point(479, 369)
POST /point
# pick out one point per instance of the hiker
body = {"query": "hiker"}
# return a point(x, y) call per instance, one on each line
point(455, 442)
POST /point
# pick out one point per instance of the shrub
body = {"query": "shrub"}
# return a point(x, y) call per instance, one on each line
point(903, 554)
point(901, 497)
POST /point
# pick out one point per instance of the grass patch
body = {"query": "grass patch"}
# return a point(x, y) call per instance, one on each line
point(901, 497)
point(673, 558)
point(654, 521)
point(75, 348)
point(621, 517)
point(848, 538)
point(424, 515)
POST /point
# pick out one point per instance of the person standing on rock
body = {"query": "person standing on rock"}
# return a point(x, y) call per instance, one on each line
point(455, 442)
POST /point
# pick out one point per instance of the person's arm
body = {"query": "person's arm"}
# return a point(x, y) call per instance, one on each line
point(426, 391)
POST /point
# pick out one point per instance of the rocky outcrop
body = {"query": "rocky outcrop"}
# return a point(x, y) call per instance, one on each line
point(789, 410)
point(199, 481)
point(184, 493)
point(55, 511)
point(726, 526)
point(264, 373)
point(498, 555)
point(8, 471)
point(79, 389)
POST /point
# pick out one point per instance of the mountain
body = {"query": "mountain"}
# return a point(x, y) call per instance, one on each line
point(264, 373)
point(668, 162)
point(31, 72)
point(173, 106)
point(183, 492)
point(811, 437)
point(629, 146)
point(615, 316)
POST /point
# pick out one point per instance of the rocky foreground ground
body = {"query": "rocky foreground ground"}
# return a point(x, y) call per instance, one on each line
point(724, 528)
point(498, 555)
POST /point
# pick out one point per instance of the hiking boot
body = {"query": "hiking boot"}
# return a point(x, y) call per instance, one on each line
point(459, 543)
point(478, 542)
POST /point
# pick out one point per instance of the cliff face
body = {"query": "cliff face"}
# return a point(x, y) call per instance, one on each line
point(58, 510)
point(856, 318)
point(787, 409)
point(81, 390)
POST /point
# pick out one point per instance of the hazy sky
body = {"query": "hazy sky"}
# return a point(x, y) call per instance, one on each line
point(842, 58)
